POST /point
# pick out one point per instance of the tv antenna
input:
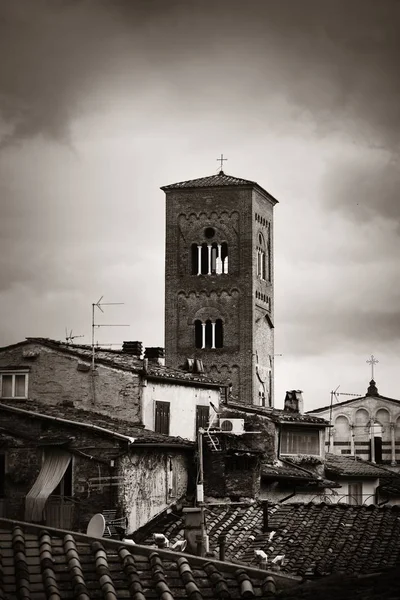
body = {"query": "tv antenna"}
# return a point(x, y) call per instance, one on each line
point(99, 304)
point(335, 394)
point(69, 338)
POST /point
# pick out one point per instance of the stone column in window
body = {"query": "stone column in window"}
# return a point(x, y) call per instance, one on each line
point(352, 444)
point(393, 443)
point(332, 432)
point(213, 335)
point(219, 261)
point(225, 265)
point(372, 440)
point(199, 260)
point(203, 336)
point(209, 258)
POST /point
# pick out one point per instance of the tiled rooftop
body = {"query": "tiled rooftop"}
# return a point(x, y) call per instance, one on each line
point(121, 360)
point(316, 539)
point(86, 418)
point(37, 563)
point(277, 415)
point(217, 180)
point(350, 466)
point(380, 586)
point(287, 472)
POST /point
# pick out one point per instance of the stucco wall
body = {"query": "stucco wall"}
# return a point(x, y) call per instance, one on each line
point(54, 377)
point(142, 496)
point(183, 401)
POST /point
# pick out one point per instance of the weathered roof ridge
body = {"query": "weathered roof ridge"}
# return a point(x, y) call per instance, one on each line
point(220, 179)
point(123, 361)
point(316, 538)
point(139, 433)
point(276, 414)
point(114, 570)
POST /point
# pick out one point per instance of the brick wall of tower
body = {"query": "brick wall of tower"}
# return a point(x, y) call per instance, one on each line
point(263, 294)
point(230, 211)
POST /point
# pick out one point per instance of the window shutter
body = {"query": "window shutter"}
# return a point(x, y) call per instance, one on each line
point(202, 417)
point(162, 417)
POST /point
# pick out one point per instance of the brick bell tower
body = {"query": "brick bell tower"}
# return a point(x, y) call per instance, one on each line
point(219, 282)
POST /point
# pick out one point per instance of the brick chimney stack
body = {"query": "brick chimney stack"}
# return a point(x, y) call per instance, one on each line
point(133, 348)
point(294, 402)
point(155, 355)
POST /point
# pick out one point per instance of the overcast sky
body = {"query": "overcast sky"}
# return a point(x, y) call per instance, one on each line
point(102, 102)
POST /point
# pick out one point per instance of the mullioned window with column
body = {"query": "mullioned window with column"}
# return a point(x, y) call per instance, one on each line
point(209, 334)
point(209, 257)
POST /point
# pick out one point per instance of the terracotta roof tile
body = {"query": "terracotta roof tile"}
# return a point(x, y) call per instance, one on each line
point(279, 416)
point(56, 564)
point(85, 418)
point(286, 472)
point(380, 586)
point(121, 360)
point(316, 539)
point(352, 466)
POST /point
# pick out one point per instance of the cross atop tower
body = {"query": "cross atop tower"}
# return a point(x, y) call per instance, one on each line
point(372, 361)
point(221, 160)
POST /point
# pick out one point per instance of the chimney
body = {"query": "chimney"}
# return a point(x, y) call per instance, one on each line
point(155, 355)
point(133, 348)
point(194, 529)
point(294, 402)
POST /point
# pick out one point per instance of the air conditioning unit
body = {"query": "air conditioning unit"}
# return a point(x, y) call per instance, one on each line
point(235, 426)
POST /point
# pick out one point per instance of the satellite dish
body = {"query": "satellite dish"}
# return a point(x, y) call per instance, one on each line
point(96, 526)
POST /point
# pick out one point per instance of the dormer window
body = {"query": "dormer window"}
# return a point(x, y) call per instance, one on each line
point(210, 258)
point(208, 334)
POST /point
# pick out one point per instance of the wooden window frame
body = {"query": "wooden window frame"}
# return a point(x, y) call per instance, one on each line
point(159, 425)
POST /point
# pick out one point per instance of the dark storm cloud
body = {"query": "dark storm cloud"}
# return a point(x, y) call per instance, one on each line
point(335, 60)
point(342, 329)
point(366, 188)
point(52, 51)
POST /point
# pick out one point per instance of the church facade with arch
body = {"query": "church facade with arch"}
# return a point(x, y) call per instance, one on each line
point(367, 427)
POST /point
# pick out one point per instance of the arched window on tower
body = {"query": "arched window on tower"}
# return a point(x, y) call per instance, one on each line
point(219, 334)
point(261, 257)
point(198, 334)
point(209, 258)
point(208, 335)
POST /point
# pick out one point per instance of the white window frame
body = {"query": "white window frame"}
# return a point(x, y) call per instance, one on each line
point(13, 374)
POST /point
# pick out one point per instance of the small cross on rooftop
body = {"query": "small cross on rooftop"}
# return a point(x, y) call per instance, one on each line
point(372, 361)
point(221, 160)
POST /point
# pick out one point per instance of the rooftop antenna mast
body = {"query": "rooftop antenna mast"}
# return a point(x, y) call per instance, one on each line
point(69, 338)
point(99, 304)
point(335, 394)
